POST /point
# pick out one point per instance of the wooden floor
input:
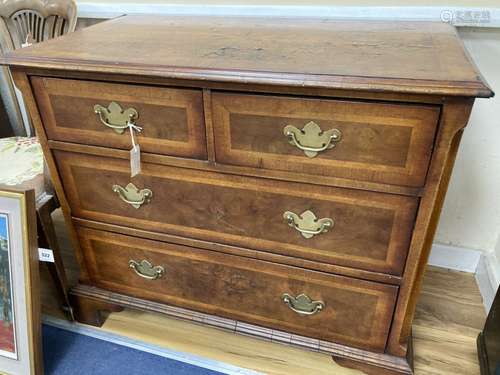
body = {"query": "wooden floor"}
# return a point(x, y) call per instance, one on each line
point(449, 317)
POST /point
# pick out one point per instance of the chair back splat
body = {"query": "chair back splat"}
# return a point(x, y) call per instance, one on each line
point(33, 21)
point(22, 23)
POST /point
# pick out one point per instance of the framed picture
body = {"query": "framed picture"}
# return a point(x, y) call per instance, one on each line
point(20, 326)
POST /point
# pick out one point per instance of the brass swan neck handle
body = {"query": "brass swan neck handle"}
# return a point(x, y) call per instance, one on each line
point(116, 118)
point(311, 139)
point(146, 270)
point(303, 304)
point(307, 224)
point(132, 195)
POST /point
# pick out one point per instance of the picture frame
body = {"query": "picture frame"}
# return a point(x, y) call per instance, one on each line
point(20, 317)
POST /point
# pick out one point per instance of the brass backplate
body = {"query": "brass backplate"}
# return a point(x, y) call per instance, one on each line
point(307, 223)
point(303, 304)
point(146, 270)
point(132, 195)
point(311, 139)
point(115, 117)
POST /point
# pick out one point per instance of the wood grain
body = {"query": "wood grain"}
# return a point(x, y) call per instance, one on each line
point(108, 76)
point(371, 231)
point(356, 312)
point(411, 57)
point(31, 281)
point(388, 143)
point(244, 171)
point(455, 116)
point(442, 344)
point(241, 251)
point(450, 314)
point(171, 119)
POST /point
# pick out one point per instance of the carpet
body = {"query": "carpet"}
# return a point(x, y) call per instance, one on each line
point(69, 353)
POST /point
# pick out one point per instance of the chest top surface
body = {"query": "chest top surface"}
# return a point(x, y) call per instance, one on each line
point(415, 57)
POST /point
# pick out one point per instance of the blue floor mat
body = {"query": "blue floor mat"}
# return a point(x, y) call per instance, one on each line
point(69, 353)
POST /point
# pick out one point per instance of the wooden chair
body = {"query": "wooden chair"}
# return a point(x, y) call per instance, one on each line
point(22, 23)
point(39, 19)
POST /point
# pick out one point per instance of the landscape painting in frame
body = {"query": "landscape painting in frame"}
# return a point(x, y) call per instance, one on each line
point(7, 330)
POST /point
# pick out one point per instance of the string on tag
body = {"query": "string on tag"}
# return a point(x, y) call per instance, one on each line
point(133, 127)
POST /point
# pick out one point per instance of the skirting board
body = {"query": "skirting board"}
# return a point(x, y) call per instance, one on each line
point(458, 16)
point(488, 278)
point(454, 258)
point(485, 267)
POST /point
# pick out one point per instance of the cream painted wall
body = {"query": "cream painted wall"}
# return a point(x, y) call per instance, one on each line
point(494, 262)
point(471, 214)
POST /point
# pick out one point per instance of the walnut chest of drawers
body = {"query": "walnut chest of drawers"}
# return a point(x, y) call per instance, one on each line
point(292, 171)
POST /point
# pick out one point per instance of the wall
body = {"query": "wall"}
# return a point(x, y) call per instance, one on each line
point(471, 214)
point(494, 264)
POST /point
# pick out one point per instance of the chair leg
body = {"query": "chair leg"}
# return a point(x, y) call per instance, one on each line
point(47, 239)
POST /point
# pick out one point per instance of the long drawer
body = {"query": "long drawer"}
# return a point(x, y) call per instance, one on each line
point(330, 307)
point(369, 141)
point(353, 228)
point(96, 113)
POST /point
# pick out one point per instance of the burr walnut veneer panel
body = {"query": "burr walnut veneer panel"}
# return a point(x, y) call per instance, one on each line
point(378, 142)
point(171, 119)
point(356, 312)
point(371, 230)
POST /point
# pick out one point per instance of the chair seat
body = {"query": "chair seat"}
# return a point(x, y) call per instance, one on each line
point(22, 164)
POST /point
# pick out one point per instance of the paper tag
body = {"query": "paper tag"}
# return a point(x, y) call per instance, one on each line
point(135, 160)
point(45, 255)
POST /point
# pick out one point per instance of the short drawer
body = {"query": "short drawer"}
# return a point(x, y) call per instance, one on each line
point(171, 119)
point(369, 141)
point(332, 308)
point(353, 228)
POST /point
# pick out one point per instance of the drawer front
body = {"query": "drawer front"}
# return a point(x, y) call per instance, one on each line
point(370, 141)
point(347, 310)
point(354, 228)
point(172, 120)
